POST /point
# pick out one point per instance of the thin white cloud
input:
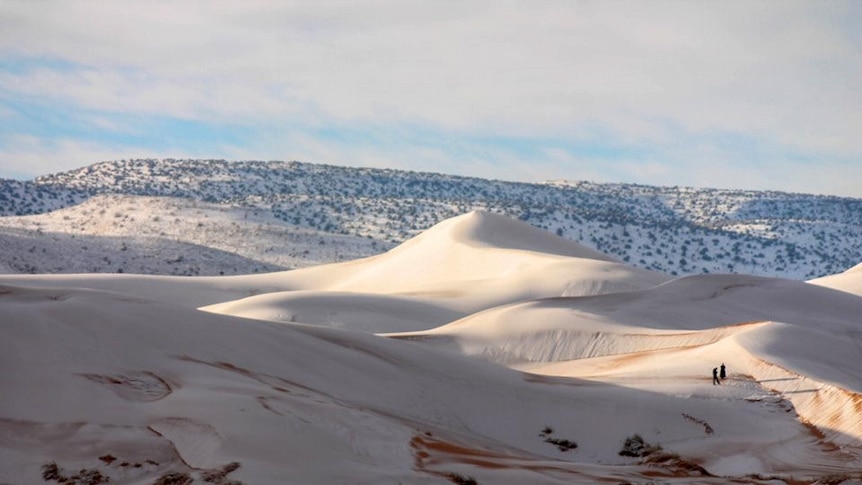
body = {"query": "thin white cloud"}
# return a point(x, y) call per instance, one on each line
point(785, 73)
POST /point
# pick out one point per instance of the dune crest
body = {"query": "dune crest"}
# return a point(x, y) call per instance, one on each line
point(849, 281)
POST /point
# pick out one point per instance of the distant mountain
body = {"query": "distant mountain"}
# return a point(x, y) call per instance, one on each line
point(274, 215)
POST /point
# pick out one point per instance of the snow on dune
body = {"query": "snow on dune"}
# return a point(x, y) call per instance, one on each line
point(816, 369)
point(176, 390)
point(849, 281)
point(472, 247)
point(191, 292)
point(355, 311)
point(819, 336)
point(488, 230)
point(469, 263)
point(808, 371)
point(578, 327)
point(465, 264)
point(282, 380)
point(520, 278)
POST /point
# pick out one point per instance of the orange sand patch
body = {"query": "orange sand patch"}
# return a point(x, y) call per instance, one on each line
point(432, 455)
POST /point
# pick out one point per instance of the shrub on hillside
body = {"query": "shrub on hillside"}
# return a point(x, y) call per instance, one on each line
point(560, 443)
point(461, 479)
point(174, 478)
point(635, 446)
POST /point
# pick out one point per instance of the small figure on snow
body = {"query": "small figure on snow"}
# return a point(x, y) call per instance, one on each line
point(715, 376)
point(723, 372)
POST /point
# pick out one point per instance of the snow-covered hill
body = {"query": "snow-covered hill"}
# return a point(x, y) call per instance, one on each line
point(329, 213)
point(600, 372)
point(166, 235)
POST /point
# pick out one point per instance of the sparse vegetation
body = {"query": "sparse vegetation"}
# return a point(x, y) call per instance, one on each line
point(674, 461)
point(174, 478)
point(94, 476)
point(50, 471)
point(837, 479)
point(669, 229)
point(89, 477)
point(560, 443)
point(86, 476)
point(219, 476)
point(635, 446)
point(707, 428)
point(461, 479)
point(108, 459)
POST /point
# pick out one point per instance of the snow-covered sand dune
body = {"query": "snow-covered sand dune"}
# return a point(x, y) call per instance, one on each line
point(366, 312)
point(849, 281)
point(686, 304)
point(816, 344)
point(123, 376)
point(464, 264)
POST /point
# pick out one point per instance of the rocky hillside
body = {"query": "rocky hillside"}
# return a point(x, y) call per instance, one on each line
point(273, 215)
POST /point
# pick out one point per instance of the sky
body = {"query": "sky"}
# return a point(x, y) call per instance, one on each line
point(740, 94)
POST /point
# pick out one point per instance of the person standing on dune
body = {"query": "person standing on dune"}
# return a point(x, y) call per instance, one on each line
point(722, 373)
point(715, 376)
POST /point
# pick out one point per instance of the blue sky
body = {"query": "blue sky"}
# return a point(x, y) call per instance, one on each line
point(732, 94)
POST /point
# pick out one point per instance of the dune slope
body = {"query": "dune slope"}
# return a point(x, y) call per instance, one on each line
point(178, 391)
point(808, 335)
point(849, 281)
point(289, 377)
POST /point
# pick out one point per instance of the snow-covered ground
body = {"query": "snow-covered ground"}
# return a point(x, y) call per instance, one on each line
point(166, 235)
point(249, 216)
point(482, 351)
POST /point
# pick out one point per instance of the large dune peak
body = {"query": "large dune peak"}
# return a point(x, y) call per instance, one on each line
point(488, 230)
